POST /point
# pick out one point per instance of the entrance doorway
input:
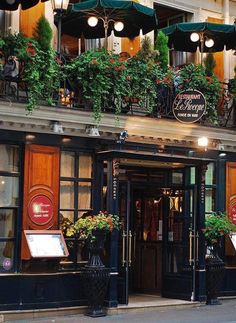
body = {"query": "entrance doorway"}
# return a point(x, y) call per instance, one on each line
point(157, 248)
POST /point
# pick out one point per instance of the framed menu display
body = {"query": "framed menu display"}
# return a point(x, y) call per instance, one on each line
point(46, 243)
point(233, 239)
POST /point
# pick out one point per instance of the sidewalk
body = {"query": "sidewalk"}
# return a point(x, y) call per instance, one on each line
point(185, 313)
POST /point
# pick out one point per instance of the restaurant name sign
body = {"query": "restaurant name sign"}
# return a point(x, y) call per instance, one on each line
point(189, 106)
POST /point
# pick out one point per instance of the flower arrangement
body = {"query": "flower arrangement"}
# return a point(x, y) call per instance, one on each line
point(84, 227)
point(217, 225)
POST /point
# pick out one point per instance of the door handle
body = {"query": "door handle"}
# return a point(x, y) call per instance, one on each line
point(124, 235)
point(130, 248)
point(197, 245)
point(134, 240)
point(190, 248)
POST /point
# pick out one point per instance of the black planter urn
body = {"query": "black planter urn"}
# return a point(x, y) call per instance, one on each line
point(215, 270)
point(95, 276)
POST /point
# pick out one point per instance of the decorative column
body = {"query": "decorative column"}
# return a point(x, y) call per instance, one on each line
point(200, 224)
point(112, 207)
point(226, 53)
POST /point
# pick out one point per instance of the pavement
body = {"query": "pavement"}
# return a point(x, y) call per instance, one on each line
point(200, 313)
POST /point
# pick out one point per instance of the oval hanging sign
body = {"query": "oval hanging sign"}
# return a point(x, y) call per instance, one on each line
point(40, 209)
point(189, 106)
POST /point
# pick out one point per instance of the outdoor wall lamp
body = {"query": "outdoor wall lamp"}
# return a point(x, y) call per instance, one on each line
point(118, 25)
point(56, 127)
point(123, 135)
point(59, 7)
point(92, 131)
point(202, 142)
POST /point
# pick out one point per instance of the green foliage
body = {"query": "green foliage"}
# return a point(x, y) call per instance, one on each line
point(217, 225)
point(163, 50)
point(38, 67)
point(147, 53)
point(194, 77)
point(43, 33)
point(42, 75)
point(210, 64)
point(84, 226)
point(101, 76)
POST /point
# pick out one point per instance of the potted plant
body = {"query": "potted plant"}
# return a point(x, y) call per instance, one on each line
point(95, 276)
point(217, 225)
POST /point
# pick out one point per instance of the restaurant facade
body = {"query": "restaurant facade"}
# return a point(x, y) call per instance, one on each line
point(149, 170)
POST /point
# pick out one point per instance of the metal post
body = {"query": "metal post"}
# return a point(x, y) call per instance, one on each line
point(59, 16)
point(201, 45)
point(105, 23)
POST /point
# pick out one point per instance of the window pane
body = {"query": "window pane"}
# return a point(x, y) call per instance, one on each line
point(210, 180)
point(9, 158)
point(177, 178)
point(192, 175)
point(6, 255)
point(7, 221)
point(210, 200)
point(85, 165)
point(84, 195)
point(9, 191)
point(67, 195)
point(67, 164)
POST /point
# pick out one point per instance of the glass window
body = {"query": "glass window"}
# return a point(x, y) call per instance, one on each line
point(9, 191)
point(85, 166)
point(7, 223)
point(67, 195)
point(209, 200)
point(192, 175)
point(9, 160)
point(210, 174)
point(75, 199)
point(84, 195)
point(67, 164)
point(177, 178)
point(9, 204)
point(6, 255)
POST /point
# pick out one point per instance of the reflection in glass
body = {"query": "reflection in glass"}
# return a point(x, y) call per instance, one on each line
point(67, 195)
point(85, 165)
point(9, 191)
point(9, 160)
point(67, 164)
point(7, 223)
point(84, 195)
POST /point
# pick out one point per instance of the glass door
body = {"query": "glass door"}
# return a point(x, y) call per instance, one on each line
point(180, 244)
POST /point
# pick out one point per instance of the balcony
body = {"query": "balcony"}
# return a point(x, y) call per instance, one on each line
point(37, 87)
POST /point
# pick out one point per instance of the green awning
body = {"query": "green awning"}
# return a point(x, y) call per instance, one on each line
point(135, 17)
point(224, 35)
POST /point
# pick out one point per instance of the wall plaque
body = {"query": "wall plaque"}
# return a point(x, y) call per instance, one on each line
point(189, 106)
point(40, 209)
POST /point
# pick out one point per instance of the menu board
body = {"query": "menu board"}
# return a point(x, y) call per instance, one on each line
point(46, 243)
point(233, 239)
